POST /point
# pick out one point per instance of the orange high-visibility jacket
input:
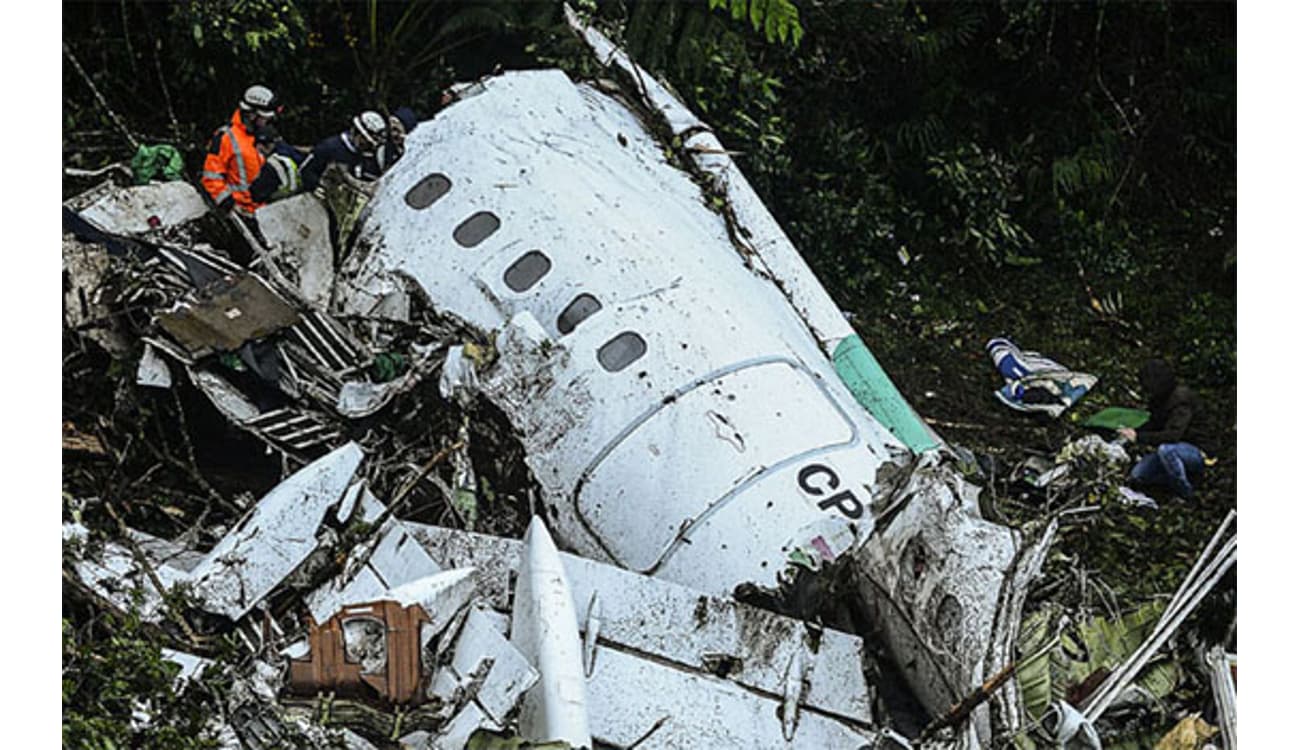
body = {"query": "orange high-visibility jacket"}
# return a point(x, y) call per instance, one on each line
point(232, 164)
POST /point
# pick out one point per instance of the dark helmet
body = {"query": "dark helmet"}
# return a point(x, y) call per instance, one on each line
point(266, 135)
point(1157, 379)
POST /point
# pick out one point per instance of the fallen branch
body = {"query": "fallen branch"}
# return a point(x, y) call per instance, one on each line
point(968, 704)
point(196, 640)
point(100, 97)
point(405, 490)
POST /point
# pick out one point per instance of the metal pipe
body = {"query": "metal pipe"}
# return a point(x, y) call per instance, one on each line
point(1119, 679)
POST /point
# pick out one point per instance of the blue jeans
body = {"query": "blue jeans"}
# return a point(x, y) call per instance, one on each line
point(1172, 465)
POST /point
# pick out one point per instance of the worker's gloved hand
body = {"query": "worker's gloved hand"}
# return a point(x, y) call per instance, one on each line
point(1127, 434)
point(228, 204)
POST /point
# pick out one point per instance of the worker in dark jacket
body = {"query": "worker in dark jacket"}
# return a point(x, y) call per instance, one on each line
point(1173, 406)
point(355, 149)
point(279, 177)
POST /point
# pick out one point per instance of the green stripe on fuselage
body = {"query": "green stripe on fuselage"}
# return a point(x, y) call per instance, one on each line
point(858, 368)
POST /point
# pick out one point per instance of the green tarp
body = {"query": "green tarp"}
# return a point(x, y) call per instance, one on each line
point(867, 381)
point(161, 162)
point(1116, 417)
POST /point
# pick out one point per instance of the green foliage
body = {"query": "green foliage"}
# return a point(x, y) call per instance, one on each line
point(930, 41)
point(1096, 644)
point(1089, 168)
point(242, 41)
point(777, 19)
point(113, 671)
point(976, 191)
point(1207, 346)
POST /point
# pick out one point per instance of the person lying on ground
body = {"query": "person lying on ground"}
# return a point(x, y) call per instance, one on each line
point(1177, 462)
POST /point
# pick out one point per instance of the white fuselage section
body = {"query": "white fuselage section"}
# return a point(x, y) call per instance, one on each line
point(677, 411)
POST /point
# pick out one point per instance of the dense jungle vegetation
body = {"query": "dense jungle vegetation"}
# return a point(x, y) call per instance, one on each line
point(1063, 174)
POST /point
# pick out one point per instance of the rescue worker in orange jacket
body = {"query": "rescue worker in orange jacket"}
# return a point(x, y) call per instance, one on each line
point(233, 161)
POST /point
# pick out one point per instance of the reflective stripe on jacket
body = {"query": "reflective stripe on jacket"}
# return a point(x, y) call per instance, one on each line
point(232, 165)
point(286, 175)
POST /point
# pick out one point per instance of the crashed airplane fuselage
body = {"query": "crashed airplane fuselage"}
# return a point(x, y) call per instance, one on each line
point(692, 404)
point(690, 400)
point(665, 392)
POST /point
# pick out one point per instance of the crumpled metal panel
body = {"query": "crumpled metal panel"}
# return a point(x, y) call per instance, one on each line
point(127, 210)
point(394, 559)
point(85, 266)
point(225, 314)
point(934, 579)
point(669, 624)
point(297, 233)
point(115, 573)
point(275, 537)
point(508, 674)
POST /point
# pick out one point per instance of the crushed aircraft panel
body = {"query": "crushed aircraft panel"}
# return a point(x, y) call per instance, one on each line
point(141, 209)
point(297, 233)
point(721, 668)
point(394, 558)
point(275, 537)
point(120, 577)
point(225, 314)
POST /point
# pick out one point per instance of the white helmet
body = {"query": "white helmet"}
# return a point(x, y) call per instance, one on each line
point(371, 127)
point(261, 100)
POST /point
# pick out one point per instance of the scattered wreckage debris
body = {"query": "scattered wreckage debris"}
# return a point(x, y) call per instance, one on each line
point(409, 645)
point(1207, 572)
point(606, 343)
point(1223, 681)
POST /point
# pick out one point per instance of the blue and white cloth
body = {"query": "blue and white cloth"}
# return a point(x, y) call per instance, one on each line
point(1035, 383)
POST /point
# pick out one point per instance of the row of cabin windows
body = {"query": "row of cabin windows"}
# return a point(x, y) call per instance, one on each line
point(614, 355)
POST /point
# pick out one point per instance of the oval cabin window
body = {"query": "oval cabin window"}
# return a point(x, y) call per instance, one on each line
point(621, 351)
point(476, 228)
point(428, 190)
point(582, 307)
point(527, 271)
